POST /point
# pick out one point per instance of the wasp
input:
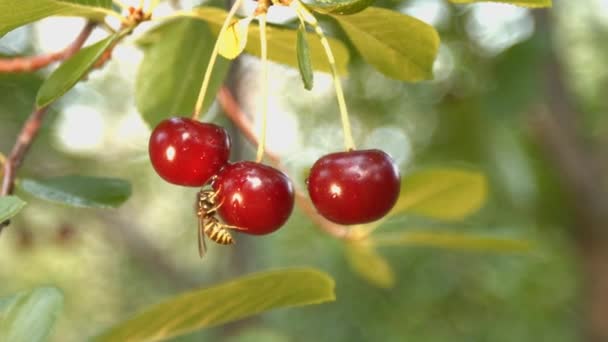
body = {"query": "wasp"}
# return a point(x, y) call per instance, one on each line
point(208, 223)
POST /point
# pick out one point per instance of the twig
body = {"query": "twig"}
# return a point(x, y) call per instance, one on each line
point(33, 63)
point(239, 118)
point(576, 160)
point(23, 143)
point(30, 128)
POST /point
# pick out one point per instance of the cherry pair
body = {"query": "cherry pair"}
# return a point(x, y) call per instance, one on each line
point(347, 187)
point(254, 197)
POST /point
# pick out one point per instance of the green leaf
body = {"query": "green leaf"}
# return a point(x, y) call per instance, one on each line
point(257, 334)
point(80, 191)
point(524, 3)
point(10, 206)
point(447, 194)
point(365, 261)
point(399, 46)
point(234, 39)
point(304, 63)
point(176, 55)
point(341, 7)
point(71, 71)
point(282, 42)
point(5, 303)
point(234, 300)
point(30, 316)
point(455, 241)
point(15, 13)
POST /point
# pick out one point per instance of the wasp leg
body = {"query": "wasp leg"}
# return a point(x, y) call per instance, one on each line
point(214, 194)
point(226, 226)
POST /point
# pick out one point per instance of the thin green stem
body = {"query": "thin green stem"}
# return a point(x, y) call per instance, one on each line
point(349, 142)
point(264, 50)
point(201, 95)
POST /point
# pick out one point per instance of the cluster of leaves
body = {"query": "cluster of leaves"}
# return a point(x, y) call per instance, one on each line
point(399, 46)
point(30, 316)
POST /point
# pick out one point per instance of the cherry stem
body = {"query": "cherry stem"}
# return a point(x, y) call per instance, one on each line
point(264, 50)
point(302, 12)
point(201, 96)
point(234, 112)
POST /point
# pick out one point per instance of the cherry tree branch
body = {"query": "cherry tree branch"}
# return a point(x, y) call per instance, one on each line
point(234, 112)
point(33, 63)
point(30, 128)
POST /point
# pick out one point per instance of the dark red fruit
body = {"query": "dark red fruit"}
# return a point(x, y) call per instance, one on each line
point(188, 152)
point(255, 197)
point(354, 187)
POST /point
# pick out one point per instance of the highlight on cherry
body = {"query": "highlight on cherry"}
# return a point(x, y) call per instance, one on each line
point(346, 188)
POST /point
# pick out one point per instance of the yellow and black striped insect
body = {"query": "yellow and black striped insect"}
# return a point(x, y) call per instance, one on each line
point(209, 224)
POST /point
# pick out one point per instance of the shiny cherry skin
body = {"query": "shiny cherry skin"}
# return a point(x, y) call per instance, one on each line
point(354, 187)
point(254, 197)
point(188, 152)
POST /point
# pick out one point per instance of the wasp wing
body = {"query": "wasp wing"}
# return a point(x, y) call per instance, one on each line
point(202, 246)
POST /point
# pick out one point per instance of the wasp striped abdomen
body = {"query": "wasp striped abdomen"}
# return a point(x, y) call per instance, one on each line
point(208, 224)
point(216, 232)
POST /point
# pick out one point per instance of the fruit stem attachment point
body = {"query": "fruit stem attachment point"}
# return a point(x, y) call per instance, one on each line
point(264, 53)
point(303, 13)
point(201, 95)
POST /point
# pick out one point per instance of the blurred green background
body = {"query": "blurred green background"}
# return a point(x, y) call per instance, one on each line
point(475, 115)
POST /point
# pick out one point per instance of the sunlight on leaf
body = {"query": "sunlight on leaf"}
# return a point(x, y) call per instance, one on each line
point(456, 241)
point(30, 316)
point(10, 206)
point(234, 39)
point(71, 71)
point(15, 13)
point(282, 42)
point(80, 191)
point(234, 300)
point(447, 194)
point(399, 46)
point(524, 3)
point(365, 261)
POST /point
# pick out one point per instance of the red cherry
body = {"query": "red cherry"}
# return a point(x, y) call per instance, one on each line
point(354, 187)
point(255, 197)
point(188, 152)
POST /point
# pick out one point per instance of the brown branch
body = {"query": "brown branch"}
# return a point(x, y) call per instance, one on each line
point(30, 128)
point(33, 63)
point(234, 112)
point(23, 143)
point(576, 159)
